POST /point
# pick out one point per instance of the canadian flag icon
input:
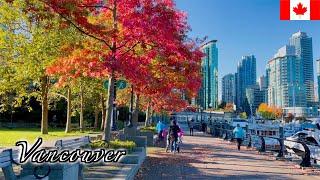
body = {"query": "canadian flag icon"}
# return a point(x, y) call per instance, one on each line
point(300, 9)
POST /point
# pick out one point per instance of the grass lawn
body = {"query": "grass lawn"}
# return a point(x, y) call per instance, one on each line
point(8, 137)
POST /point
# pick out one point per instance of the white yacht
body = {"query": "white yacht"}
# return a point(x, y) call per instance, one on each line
point(269, 129)
point(310, 136)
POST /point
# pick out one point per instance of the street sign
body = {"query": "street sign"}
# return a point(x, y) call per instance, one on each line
point(121, 84)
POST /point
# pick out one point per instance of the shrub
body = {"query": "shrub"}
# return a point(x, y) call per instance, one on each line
point(243, 115)
point(115, 144)
point(269, 112)
point(149, 129)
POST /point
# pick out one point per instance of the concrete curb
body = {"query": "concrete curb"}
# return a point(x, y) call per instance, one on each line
point(149, 136)
point(136, 159)
point(133, 172)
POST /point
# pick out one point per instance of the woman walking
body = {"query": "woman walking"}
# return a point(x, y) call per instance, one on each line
point(173, 135)
point(239, 135)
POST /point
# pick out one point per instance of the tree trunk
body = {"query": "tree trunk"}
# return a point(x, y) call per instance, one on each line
point(136, 110)
point(68, 124)
point(151, 115)
point(110, 99)
point(81, 110)
point(131, 108)
point(96, 117)
point(103, 107)
point(147, 115)
point(44, 104)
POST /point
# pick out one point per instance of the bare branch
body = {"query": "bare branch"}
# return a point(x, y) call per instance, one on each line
point(122, 45)
point(84, 32)
point(60, 95)
point(130, 49)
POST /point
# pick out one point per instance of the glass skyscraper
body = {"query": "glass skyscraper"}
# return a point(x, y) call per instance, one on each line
point(255, 96)
point(263, 84)
point(208, 94)
point(246, 76)
point(318, 78)
point(285, 79)
point(303, 51)
point(228, 88)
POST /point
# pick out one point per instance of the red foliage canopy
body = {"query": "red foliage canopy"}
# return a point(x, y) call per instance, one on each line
point(143, 41)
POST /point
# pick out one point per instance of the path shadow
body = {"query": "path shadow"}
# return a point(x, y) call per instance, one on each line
point(206, 157)
point(160, 168)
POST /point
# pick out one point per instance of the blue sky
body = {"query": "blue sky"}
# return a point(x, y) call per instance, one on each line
point(245, 27)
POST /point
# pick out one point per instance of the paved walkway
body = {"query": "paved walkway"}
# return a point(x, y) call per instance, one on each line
point(212, 158)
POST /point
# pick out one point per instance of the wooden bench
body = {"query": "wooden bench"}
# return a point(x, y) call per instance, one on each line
point(73, 143)
point(9, 157)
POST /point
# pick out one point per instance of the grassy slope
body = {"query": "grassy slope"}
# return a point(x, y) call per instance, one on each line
point(8, 137)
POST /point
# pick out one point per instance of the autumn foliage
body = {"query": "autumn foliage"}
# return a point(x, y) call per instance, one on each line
point(191, 109)
point(269, 112)
point(142, 41)
point(229, 107)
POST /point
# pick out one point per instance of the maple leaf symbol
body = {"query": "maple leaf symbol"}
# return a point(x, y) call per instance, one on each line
point(300, 10)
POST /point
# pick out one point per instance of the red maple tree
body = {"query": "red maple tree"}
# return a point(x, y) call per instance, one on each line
point(300, 10)
point(142, 41)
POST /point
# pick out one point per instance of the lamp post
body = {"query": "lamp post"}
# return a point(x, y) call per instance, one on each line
point(294, 101)
point(201, 111)
point(282, 114)
point(114, 117)
point(114, 109)
point(197, 115)
point(131, 109)
point(293, 85)
point(210, 106)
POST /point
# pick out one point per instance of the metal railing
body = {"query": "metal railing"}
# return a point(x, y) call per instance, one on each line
point(306, 158)
point(225, 131)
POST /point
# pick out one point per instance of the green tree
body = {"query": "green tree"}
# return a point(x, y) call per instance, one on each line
point(89, 92)
point(243, 115)
point(29, 43)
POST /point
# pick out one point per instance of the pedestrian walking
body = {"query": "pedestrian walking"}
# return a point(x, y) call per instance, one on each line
point(191, 126)
point(239, 135)
point(173, 133)
point(180, 135)
point(160, 127)
point(203, 127)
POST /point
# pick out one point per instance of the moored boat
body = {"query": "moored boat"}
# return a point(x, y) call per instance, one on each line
point(310, 136)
